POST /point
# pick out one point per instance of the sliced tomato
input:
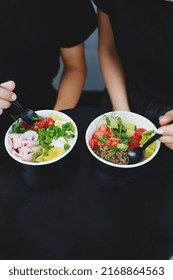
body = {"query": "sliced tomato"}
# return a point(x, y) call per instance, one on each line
point(132, 146)
point(49, 122)
point(97, 134)
point(135, 138)
point(45, 123)
point(139, 131)
point(113, 141)
point(134, 142)
point(94, 143)
point(103, 128)
point(39, 124)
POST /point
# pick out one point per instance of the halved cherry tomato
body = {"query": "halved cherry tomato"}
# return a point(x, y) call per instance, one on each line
point(139, 131)
point(134, 142)
point(45, 123)
point(49, 122)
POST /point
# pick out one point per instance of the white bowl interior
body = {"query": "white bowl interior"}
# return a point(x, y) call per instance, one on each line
point(45, 114)
point(136, 119)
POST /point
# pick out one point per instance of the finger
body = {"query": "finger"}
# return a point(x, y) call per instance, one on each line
point(4, 104)
point(167, 129)
point(7, 94)
point(166, 139)
point(167, 118)
point(1, 111)
point(10, 85)
point(170, 146)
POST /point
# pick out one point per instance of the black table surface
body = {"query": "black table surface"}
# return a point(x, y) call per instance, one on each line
point(77, 210)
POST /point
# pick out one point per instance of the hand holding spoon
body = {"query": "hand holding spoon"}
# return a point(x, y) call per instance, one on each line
point(137, 154)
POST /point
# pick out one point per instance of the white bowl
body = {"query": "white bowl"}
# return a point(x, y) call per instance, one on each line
point(45, 114)
point(136, 119)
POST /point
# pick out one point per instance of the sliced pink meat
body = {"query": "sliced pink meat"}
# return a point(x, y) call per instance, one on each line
point(24, 145)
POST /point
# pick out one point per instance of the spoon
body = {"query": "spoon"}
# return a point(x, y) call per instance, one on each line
point(137, 154)
point(27, 115)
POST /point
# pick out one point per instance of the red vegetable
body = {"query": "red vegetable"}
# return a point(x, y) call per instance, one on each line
point(139, 131)
point(93, 143)
point(45, 123)
point(135, 139)
point(103, 135)
point(25, 125)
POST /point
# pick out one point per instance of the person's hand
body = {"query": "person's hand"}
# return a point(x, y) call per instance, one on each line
point(6, 95)
point(166, 123)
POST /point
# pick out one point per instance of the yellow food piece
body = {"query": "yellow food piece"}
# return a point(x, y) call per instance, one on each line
point(130, 132)
point(58, 124)
point(39, 159)
point(130, 125)
point(150, 149)
point(55, 117)
point(148, 152)
point(152, 146)
point(53, 153)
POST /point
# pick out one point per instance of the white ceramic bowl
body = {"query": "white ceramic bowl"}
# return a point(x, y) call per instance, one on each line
point(136, 119)
point(45, 114)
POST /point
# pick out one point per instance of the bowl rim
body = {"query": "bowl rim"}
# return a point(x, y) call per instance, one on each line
point(128, 166)
point(43, 163)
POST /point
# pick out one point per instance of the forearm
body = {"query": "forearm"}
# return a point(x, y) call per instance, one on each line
point(73, 77)
point(110, 64)
point(114, 80)
point(70, 88)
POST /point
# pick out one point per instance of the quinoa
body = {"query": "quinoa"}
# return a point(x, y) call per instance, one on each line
point(117, 157)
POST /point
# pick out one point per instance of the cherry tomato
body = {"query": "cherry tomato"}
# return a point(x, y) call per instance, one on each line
point(45, 123)
point(134, 142)
point(139, 132)
point(49, 122)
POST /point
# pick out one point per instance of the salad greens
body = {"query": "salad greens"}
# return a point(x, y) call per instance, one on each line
point(114, 137)
point(45, 136)
point(48, 132)
point(117, 127)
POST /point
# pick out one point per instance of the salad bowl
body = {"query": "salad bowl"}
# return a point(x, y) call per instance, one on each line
point(110, 136)
point(49, 140)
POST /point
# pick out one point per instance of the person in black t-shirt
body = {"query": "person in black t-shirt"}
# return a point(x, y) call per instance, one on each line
point(135, 46)
point(34, 35)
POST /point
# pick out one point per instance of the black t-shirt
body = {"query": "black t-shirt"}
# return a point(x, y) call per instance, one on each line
point(32, 33)
point(143, 32)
